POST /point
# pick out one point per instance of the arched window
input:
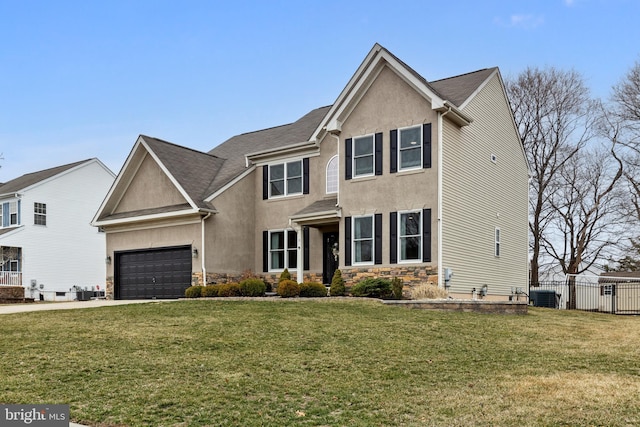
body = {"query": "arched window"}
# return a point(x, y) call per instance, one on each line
point(332, 175)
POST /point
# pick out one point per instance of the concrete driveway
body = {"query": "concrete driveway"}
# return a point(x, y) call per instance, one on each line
point(70, 305)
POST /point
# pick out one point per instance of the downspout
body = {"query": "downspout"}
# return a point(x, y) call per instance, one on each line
point(204, 252)
point(441, 282)
point(337, 154)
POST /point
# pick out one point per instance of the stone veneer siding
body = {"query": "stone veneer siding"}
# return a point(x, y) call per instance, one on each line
point(215, 278)
point(409, 275)
point(110, 291)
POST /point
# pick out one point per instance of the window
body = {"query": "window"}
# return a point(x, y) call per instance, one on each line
point(332, 175)
point(410, 236)
point(363, 156)
point(283, 252)
point(10, 213)
point(410, 148)
point(40, 213)
point(13, 210)
point(285, 179)
point(363, 239)
point(497, 241)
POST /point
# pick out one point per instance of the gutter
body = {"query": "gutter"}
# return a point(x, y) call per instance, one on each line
point(292, 149)
point(456, 116)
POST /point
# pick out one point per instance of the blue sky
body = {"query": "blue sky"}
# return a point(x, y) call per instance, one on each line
point(82, 79)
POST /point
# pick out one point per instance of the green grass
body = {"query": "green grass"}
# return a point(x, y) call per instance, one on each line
point(322, 363)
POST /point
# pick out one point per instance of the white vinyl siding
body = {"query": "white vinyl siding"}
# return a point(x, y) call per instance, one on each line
point(68, 234)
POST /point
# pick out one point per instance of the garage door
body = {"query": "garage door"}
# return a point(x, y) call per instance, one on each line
point(156, 273)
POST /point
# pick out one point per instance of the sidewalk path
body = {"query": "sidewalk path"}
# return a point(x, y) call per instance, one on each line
point(70, 305)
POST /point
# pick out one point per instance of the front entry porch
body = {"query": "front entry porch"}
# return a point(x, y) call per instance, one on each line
point(11, 266)
point(323, 215)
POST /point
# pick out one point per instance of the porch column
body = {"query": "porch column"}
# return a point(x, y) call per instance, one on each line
point(299, 252)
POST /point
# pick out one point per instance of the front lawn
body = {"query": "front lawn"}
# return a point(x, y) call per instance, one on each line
point(324, 362)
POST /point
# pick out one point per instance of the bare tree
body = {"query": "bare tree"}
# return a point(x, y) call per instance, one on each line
point(551, 110)
point(625, 119)
point(587, 220)
point(626, 94)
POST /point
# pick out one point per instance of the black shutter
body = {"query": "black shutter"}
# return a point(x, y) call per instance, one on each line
point(426, 235)
point(378, 153)
point(348, 163)
point(393, 152)
point(426, 145)
point(377, 229)
point(393, 237)
point(265, 182)
point(305, 175)
point(265, 251)
point(305, 245)
point(347, 240)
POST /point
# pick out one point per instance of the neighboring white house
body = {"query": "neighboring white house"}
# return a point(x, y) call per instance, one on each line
point(47, 244)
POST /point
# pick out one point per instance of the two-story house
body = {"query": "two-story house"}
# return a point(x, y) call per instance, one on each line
point(427, 181)
point(47, 243)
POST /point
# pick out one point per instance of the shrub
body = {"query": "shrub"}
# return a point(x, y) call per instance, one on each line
point(372, 288)
point(288, 288)
point(312, 290)
point(269, 286)
point(229, 290)
point(252, 287)
point(396, 288)
point(285, 275)
point(210, 291)
point(428, 291)
point(337, 288)
point(193, 291)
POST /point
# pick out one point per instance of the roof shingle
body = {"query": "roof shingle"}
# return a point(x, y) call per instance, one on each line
point(29, 179)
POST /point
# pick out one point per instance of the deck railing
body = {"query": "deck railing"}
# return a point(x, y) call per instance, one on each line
point(10, 278)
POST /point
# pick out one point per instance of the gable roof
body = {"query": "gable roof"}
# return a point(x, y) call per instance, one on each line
point(193, 170)
point(236, 148)
point(30, 179)
point(201, 176)
point(459, 89)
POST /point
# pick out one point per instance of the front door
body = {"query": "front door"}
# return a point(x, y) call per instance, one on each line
point(330, 256)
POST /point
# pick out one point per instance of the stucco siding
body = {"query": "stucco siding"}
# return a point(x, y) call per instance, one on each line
point(151, 188)
point(154, 235)
point(230, 236)
point(389, 103)
point(482, 193)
